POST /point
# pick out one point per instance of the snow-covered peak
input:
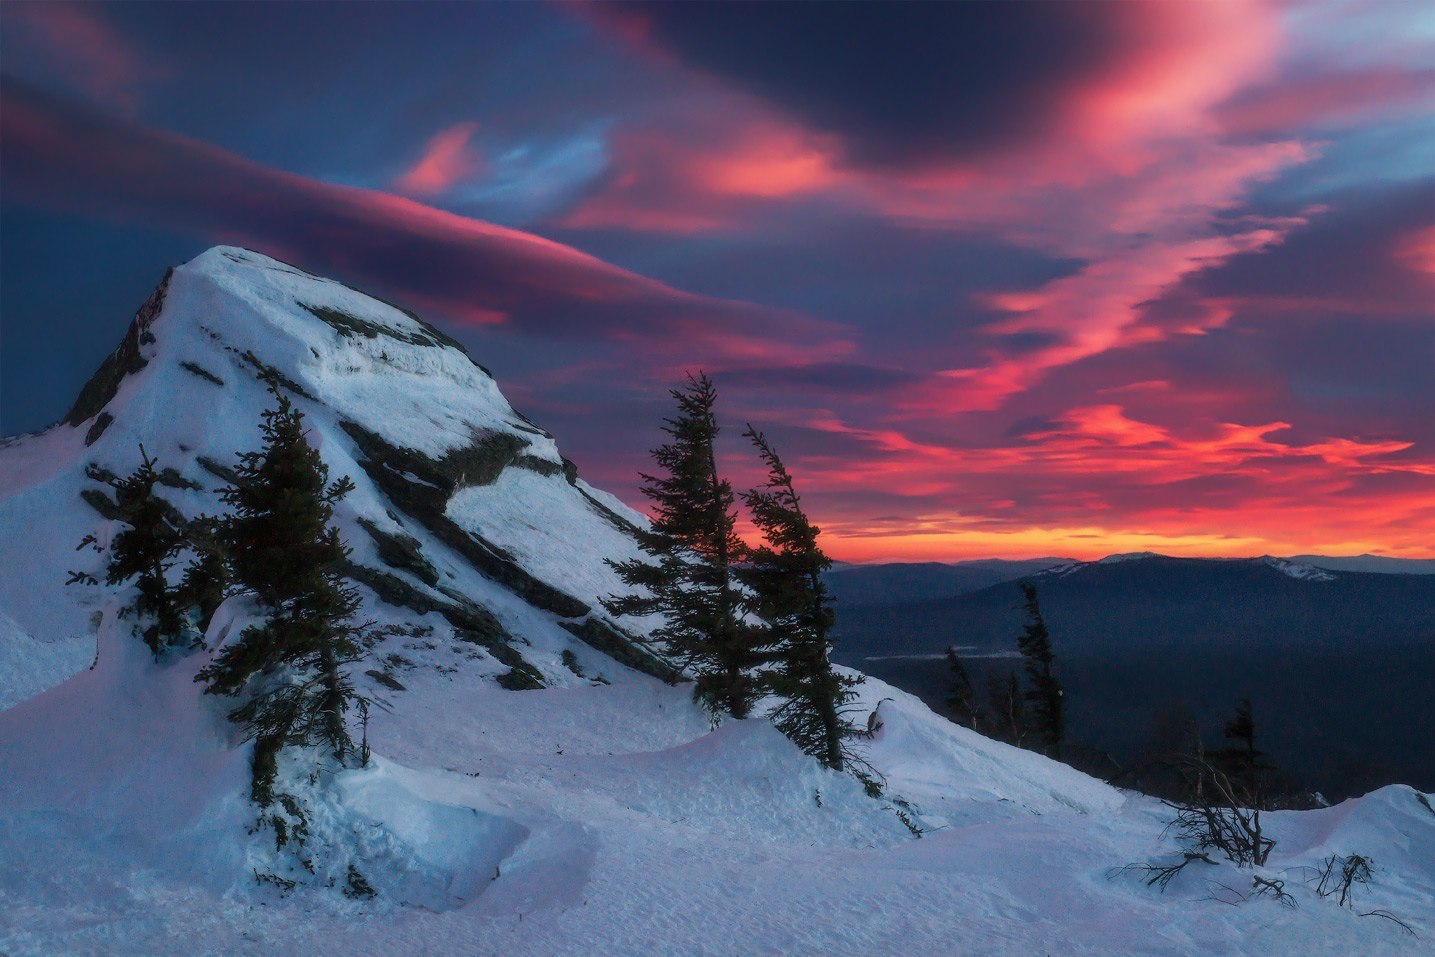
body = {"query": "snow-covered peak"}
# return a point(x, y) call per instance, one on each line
point(1127, 557)
point(464, 509)
point(1298, 570)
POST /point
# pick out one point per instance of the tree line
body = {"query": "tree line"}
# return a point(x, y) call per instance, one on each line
point(1031, 717)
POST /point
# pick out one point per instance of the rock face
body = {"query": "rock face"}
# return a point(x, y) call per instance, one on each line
point(466, 516)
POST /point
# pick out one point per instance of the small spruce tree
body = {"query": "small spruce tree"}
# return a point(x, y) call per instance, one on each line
point(693, 549)
point(144, 550)
point(282, 547)
point(1246, 765)
point(1045, 693)
point(788, 595)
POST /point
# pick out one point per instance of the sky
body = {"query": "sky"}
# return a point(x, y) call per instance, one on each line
point(996, 279)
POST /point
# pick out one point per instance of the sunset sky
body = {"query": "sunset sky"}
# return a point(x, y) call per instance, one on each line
point(1002, 279)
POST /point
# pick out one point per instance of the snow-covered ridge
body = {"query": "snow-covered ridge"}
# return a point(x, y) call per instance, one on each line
point(1298, 570)
point(458, 494)
point(1127, 557)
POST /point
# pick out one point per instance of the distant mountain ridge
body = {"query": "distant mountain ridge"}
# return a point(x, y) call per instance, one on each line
point(1313, 645)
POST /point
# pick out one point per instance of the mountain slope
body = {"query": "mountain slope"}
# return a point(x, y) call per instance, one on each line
point(576, 817)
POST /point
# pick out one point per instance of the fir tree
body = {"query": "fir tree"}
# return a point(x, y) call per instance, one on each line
point(144, 550)
point(1244, 763)
point(1045, 694)
point(1008, 708)
point(694, 547)
point(962, 697)
point(282, 547)
point(789, 596)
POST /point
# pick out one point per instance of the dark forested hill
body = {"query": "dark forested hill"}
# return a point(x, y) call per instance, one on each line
point(1338, 663)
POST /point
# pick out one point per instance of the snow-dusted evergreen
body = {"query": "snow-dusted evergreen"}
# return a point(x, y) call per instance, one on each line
point(535, 788)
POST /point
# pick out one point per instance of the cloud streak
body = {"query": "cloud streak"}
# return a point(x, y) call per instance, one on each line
point(465, 269)
point(447, 161)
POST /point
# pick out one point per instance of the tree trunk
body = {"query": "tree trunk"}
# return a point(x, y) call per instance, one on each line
point(333, 706)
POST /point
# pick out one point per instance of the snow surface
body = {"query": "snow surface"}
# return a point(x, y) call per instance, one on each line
point(584, 818)
point(613, 820)
point(1371, 564)
point(1126, 557)
point(1298, 570)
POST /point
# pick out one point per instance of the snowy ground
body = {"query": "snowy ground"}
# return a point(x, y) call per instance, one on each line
point(618, 822)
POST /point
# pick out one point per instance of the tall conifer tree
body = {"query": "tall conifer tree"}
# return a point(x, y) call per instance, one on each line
point(694, 547)
point(281, 546)
point(1008, 708)
point(961, 697)
point(1045, 693)
point(789, 596)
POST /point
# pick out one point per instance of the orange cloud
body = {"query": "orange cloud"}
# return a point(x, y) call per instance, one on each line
point(1101, 481)
point(690, 180)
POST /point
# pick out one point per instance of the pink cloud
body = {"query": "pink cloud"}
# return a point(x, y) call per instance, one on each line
point(1346, 97)
point(74, 46)
point(463, 268)
point(1416, 251)
point(447, 161)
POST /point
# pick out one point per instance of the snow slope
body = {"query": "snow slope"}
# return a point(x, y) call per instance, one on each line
point(575, 818)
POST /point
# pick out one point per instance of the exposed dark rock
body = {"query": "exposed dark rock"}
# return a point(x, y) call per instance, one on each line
point(347, 325)
point(267, 373)
point(439, 336)
point(386, 679)
point(217, 469)
point(521, 678)
point(433, 482)
point(471, 623)
point(171, 478)
point(614, 519)
point(97, 428)
point(534, 464)
point(96, 472)
point(101, 503)
point(621, 647)
point(401, 551)
point(202, 372)
point(125, 360)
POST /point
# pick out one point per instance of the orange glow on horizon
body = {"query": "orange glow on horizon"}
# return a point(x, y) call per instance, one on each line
point(1088, 543)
